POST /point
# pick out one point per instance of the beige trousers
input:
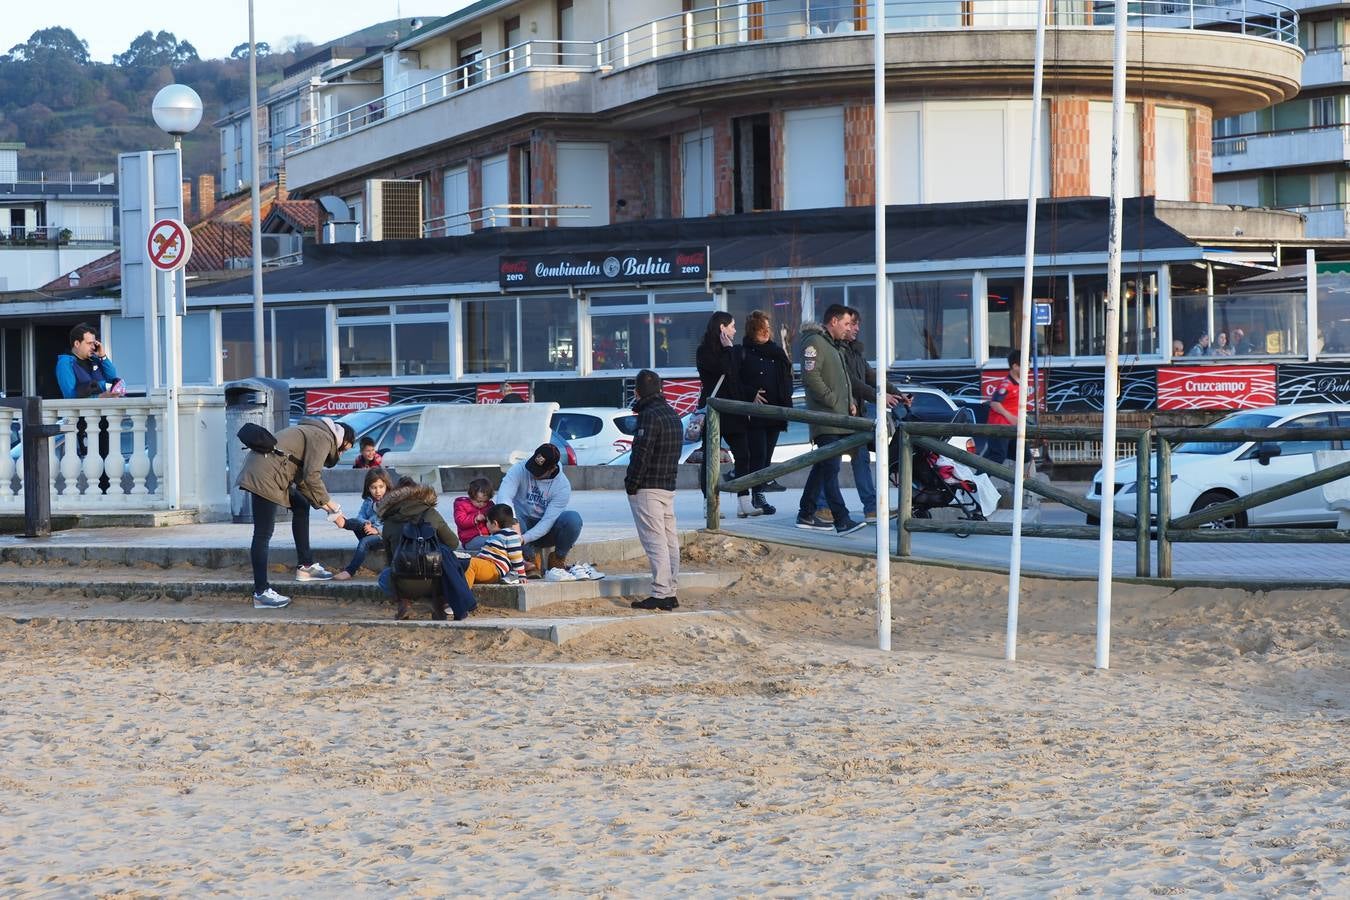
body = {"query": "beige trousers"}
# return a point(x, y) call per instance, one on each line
point(654, 516)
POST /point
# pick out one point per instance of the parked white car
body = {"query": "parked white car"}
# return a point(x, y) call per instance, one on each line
point(597, 433)
point(1205, 473)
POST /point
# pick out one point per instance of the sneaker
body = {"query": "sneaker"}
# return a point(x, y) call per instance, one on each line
point(813, 523)
point(559, 575)
point(848, 527)
point(870, 518)
point(512, 579)
point(312, 572)
point(665, 604)
point(772, 486)
point(586, 572)
point(270, 599)
point(824, 515)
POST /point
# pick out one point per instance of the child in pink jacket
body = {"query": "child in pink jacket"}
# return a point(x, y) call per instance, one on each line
point(471, 515)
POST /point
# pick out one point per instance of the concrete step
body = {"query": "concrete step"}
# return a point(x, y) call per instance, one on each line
point(184, 584)
point(558, 630)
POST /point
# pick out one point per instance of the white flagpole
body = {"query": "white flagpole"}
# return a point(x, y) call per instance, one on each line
point(1111, 391)
point(882, 475)
point(1028, 301)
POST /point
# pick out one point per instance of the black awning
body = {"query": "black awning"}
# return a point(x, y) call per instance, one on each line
point(758, 242)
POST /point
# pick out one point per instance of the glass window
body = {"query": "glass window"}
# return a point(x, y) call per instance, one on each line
point(1302, 448)
point(608, 300)
point(574, 426)
point(1003, 307)
point(423, 349)
point(622, 342)
point(489, 336)
point(548, 334)
point(1244, 324)
point(1138, 319)
point(352, 312)
point(781, 303)
point(932, 319)
point(364, 350)
point(676, 337)
point(421, 309)
point(197, 360)
point(236, 343)
point(1333, 310)
point(302, 342)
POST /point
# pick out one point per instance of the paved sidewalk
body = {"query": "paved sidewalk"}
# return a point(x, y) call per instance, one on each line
point(609, 529)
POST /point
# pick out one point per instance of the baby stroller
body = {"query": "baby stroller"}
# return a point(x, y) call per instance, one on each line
point(939, 482)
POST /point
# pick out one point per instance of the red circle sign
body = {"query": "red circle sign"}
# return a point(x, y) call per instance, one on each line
point(169, 245)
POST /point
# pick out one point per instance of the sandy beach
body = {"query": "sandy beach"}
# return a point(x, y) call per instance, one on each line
point(769, 750)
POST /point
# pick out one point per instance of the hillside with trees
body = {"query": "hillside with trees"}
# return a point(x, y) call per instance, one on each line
point(74, 114)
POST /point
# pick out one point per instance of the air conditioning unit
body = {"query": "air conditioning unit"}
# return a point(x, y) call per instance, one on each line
point(395, 210)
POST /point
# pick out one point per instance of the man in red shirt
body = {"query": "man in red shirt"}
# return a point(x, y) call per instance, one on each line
point(1003, 409)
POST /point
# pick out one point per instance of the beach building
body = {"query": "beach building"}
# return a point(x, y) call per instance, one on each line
point(559, 192)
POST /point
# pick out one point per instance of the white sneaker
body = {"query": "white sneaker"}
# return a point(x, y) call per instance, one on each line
point(556, 574)
point(586, 572)
point(312, 572)
point(270, 599)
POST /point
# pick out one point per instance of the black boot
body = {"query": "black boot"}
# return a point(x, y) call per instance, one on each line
point(757, 498)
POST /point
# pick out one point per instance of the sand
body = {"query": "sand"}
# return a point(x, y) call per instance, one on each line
point(768, 751)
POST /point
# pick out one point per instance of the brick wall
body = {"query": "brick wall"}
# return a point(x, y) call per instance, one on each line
point(1148, 148)
point(1202, 159)
point(632, 179)
point(859, 171)
point(1070, 147)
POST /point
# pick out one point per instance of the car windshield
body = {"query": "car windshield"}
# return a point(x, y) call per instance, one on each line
point(366, 419)
point(1236, 420)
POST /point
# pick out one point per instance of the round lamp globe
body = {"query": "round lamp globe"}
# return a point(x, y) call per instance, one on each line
point(177, 109)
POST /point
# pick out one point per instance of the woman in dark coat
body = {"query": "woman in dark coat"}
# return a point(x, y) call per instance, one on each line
point(766, 373)
point(719, 368)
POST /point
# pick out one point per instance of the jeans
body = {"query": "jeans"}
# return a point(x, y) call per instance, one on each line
point(824, 479)
point(862, 480)
point(473, 545)
point(562, 537)
point(364, 544)
point(761, 443)
point(265, 522)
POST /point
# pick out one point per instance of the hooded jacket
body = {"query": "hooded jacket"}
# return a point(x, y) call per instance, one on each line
point(862, 377)
point(824, 376)
point(407, 504)
point(270, 476)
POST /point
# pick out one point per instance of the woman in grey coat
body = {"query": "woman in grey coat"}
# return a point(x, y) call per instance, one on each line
point(292, 476)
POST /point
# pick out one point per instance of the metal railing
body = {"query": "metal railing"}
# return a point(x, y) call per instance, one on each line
point(46, 235)
point(758, 21)
point(568, 55)
point(96, 182)
point(526, 214)
point(1144, 526)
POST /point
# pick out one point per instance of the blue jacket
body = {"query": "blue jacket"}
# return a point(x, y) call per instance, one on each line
point(366, 516)
point(87, 378)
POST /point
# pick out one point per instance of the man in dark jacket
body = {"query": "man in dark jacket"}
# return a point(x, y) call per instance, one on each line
point(650, 483)
point(292, 477)
point(825, 380)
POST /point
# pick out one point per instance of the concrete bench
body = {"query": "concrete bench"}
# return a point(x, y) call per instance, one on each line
point(1336, 493)
point(455, 435)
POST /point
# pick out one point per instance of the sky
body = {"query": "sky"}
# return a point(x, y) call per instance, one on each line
point(214, 28)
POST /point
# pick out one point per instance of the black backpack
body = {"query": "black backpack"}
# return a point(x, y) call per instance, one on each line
point(260, 440)
point(418, 554)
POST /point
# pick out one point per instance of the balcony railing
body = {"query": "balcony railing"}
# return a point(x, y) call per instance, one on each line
point(56, 236)
point(758, 21)
point(530, 215)
point(44, 182)
point(1325, 135)
point(566, 55)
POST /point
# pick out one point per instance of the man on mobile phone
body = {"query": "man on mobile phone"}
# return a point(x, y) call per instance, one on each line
point(86, 370)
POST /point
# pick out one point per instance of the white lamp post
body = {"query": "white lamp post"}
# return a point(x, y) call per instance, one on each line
point(177, 110)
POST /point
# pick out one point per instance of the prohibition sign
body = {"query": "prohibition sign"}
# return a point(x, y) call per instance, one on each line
point(169, 245)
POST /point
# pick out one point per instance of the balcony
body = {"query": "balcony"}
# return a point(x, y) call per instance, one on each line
point(52, 184)
point(1282, 149)
point(1232, 56)
point(1325, 67)
point(44, 236)
point(1325, 221)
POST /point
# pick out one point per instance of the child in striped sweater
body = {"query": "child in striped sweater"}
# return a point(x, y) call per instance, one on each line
point(501, 558)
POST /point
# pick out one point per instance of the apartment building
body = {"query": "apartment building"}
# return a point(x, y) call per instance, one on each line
point(496, 159)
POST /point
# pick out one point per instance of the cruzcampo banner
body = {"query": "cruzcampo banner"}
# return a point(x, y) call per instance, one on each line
point(617, 267)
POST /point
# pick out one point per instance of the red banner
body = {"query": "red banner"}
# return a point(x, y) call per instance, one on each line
point(492, 393)
point(682, 394)
point(1215, 387)
point(340, 401)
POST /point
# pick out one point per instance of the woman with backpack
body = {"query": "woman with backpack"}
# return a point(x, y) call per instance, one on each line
point(292, 476)
point(409, 510)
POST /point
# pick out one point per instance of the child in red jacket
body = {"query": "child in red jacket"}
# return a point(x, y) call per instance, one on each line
point(471, 515)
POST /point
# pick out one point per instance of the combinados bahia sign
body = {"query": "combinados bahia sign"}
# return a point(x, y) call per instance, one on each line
point(614, 267)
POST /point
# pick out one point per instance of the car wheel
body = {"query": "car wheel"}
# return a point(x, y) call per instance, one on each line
point(1214, 498)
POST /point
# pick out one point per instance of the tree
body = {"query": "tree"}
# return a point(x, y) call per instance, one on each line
point(149, 52)
point(241, 52)
point(54, 40)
